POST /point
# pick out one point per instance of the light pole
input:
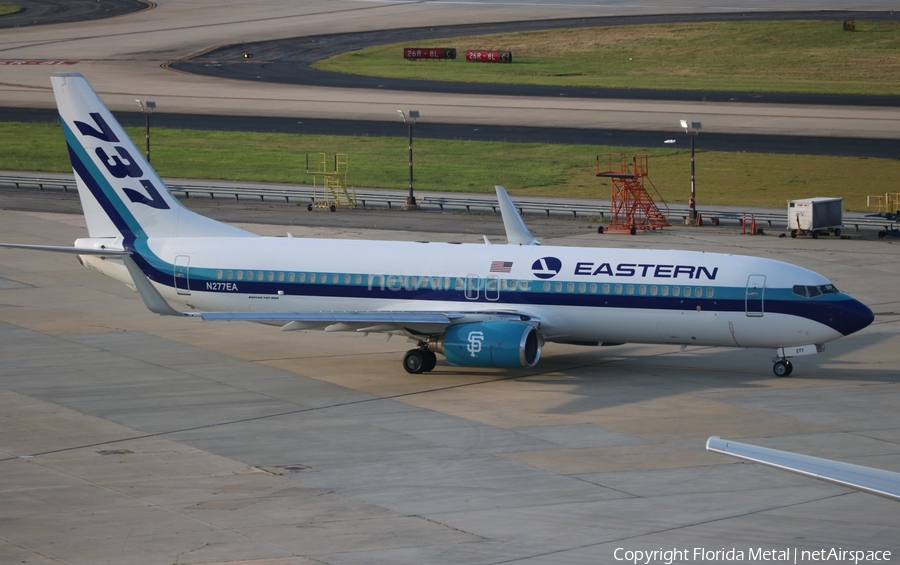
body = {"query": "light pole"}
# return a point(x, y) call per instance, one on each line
point(410, 199)
point(150, 106)
point(693, 130)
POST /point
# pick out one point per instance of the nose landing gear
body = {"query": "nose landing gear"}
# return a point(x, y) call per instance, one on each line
point(782, 368)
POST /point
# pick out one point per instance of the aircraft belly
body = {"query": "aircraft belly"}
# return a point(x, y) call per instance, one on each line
point(779, 330)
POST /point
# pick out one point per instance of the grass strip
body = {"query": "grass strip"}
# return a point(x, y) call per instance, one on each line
point(526, 169)
point(7, 8)
point(776, 56)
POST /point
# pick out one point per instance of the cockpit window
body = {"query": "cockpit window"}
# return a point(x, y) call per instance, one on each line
point(812, 291)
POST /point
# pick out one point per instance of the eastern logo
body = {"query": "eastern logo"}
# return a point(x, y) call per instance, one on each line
point(546, 267)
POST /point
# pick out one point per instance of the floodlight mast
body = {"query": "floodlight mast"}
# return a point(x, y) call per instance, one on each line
point(693, 130)
point(411, 203)
point(146, 109)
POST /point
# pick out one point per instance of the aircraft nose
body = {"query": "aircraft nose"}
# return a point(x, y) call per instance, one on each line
point(853, 316)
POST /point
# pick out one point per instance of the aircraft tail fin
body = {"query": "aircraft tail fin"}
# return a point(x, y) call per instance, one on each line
point(516, 231)
point(121, 194)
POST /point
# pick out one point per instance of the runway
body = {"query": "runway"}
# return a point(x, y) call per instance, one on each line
point(131, 438)
point(128, 57)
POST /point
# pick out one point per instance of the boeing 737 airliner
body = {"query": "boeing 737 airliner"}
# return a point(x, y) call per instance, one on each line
point(477, 305)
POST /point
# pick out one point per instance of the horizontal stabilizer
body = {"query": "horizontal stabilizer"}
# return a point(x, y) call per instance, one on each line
point(866, 479)
point(67, 249)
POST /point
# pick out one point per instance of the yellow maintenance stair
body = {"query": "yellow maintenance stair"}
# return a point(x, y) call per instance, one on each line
point(330, 186)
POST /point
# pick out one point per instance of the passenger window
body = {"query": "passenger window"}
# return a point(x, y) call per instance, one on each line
point(523, 285)
point(618, 289)
point(513, 285)
point(228, 275)
point(558, 287)
point(357, 279)
point(312, 277)
point(709, 292)
point(642, 290)
point(280, 277)
point(687, 291)
point(654, 291)
point(570, 287)
point(240, 275)
point(546, 287)
point(271, 276)
point(606, 289)
point(291, 277)
point(302, 277)
point(664, 291)
point(219, 275)
point(582, 287)
point(676, 291)
point(346, 279)
point(593, 288)
point(334, 278)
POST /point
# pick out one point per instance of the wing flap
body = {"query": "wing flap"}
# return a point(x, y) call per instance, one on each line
point(330, 318)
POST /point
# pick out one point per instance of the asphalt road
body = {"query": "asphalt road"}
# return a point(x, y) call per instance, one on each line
point(44, 12)
point(799, 145)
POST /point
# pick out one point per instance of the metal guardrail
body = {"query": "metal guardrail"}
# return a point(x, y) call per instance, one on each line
point(306, 195)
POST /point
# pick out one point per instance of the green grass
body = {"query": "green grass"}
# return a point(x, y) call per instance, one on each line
point(527, 169)
point(787, 56)
point(7, 8)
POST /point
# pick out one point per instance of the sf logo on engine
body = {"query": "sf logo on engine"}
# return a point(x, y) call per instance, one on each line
point(546, 267)
point(475, 339)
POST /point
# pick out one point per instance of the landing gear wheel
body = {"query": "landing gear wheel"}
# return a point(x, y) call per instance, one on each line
point(430, 360)
point(414, 361)
point(783, 368)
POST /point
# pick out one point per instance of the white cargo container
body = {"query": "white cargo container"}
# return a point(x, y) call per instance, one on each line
point(815, 215)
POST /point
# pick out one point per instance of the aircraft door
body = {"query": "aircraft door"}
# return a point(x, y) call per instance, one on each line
point(755, 295)
point(182, 274)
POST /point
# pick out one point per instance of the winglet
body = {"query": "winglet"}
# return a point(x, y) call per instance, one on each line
point(153, 300)
point(516, 231)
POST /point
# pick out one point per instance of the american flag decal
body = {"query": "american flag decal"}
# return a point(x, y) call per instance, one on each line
point(501, 266)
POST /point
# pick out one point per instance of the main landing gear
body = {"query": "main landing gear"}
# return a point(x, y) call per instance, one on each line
point(419, 360)
point(782, 368)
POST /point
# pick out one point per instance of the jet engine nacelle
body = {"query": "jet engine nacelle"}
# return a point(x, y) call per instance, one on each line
point(501, 344)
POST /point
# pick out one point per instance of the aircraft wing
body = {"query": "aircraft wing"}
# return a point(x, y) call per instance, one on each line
point(866, 479)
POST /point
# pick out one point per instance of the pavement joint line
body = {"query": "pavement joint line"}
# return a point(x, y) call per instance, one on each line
point(277, 415)
point(675, 528)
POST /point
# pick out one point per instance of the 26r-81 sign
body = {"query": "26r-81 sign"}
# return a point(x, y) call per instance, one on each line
point(489, 56)
point(414, 53)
